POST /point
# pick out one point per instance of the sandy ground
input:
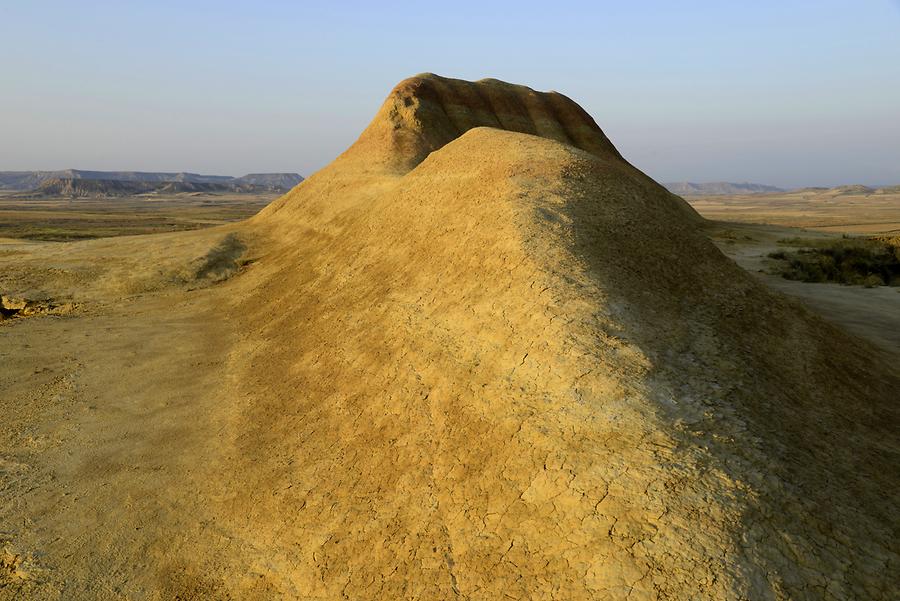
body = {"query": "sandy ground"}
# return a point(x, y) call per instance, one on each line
point(93, 463)
point(823, 211)
point(873, 313)
point(748, 227)
point(116, 419)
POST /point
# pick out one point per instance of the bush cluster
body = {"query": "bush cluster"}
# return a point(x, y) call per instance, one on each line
point(854, 261)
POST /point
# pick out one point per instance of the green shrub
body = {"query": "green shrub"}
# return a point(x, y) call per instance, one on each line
point(854, 261)
point(873, 280)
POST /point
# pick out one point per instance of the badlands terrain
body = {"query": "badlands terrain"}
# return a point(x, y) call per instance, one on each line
point(478, 356)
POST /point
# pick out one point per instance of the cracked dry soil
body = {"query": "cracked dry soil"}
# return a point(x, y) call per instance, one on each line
point(468, 360)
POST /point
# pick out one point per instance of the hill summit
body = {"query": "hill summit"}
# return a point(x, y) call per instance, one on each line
point(424, 113)
point(503, 361)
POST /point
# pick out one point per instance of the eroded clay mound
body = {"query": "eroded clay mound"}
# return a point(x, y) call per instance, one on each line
point(491, 350)
point(479, 356)
point(425, 112)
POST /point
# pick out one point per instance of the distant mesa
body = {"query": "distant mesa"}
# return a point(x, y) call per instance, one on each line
point(106, 188)
point(718, 188)
point(281, 181)
point(854, 190)
point(87, 188)
point(76, 183)
point(729, 188)
point(888, 190)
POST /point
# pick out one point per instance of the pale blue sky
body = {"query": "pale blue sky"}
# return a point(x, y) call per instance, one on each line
point(789, 93)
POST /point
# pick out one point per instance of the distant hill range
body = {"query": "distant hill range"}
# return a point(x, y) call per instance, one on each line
point(728, 188)
point(77, 183)
point(109, 188)
point(718, 188)
point(854, 190)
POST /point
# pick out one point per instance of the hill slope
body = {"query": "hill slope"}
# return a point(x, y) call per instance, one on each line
point(478, 356)
point(522, 370)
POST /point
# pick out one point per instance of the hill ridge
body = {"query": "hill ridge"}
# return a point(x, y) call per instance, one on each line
point(543, 370)
point(714, 188)
point(104, 188)
point(29, 180)
point(427, 111)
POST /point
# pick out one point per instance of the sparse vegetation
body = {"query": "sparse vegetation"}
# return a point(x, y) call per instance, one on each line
point(221, 261)
point(866, 262)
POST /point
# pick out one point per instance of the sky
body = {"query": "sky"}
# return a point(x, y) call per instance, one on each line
point(787, 93)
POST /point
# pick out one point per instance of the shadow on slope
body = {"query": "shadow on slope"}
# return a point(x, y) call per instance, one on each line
point(802, 416)
point(491, 361)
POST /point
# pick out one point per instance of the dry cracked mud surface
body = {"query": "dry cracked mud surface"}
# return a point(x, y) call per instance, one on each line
point(479, 356)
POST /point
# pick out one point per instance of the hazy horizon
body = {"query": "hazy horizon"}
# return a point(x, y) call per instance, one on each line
point(790, 96)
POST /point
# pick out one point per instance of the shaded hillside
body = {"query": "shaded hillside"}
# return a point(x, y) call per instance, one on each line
point(279, 181)
point(25, 180)
point(718, 188)
point(88, 188)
